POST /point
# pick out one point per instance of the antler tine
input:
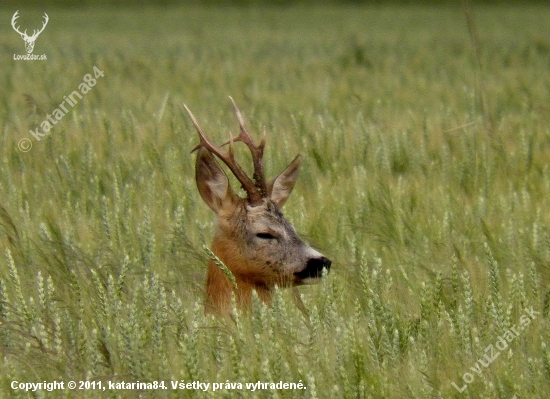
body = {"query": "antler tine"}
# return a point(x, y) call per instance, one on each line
point(13, 22)
point(257, 151)
point(228, 158)
point(202, 137)
point(244, 136)
point(36, 32)
point(46, 19)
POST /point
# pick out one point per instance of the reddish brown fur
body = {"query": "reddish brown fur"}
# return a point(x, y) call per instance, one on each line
point(253, 239)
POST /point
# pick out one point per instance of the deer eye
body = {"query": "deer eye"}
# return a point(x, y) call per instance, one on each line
point(266, 236)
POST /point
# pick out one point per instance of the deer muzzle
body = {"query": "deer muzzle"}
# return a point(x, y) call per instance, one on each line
point(314, 268)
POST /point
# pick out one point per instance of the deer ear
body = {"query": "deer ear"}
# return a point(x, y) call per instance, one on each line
point(280, 188)
point(212, 182)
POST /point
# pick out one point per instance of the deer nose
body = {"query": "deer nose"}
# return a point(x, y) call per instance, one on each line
point(314, 267)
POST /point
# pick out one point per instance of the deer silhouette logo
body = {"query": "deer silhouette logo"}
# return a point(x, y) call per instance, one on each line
point(29, 40)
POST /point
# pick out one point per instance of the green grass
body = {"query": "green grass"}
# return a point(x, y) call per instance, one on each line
point(435, 219)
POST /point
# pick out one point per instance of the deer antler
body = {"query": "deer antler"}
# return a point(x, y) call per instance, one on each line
point(257, 151)
point(15, 16)
point(35, 32)
point(46, 19)
point(256, 190)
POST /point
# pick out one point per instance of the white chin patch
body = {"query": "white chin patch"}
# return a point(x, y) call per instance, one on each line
point(310, 280)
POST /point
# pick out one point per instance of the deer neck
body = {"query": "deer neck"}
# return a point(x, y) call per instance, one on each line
point(219, 290)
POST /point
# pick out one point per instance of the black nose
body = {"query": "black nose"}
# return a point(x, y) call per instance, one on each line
point(314, 267)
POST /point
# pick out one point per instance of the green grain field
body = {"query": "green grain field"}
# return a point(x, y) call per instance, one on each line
point(426, 179)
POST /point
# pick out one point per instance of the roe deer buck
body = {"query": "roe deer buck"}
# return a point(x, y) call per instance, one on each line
point(253, 239)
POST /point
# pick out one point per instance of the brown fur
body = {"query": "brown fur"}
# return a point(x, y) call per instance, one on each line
point(253, 239)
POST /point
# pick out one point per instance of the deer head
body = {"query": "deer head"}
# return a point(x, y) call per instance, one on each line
point(253, 238)
point(29, 40)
